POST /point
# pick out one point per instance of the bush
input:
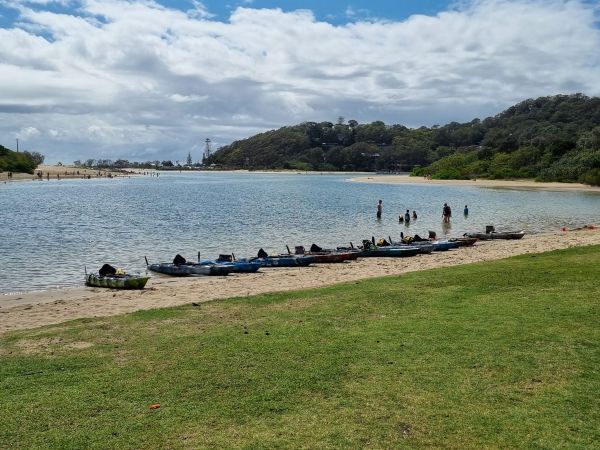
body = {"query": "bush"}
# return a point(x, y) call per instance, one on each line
point(591, 177)
point(16, 162)
point(418, 171)
point(448, 174)
point(455, 166)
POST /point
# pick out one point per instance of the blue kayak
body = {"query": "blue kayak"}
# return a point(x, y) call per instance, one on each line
point(190, 269)
point(282, 261)
point(442, 246)
point(236, 266)
point(390, 251)
point(369, 249)
point(424, 247)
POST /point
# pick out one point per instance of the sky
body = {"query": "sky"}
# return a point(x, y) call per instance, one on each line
point(151, 80)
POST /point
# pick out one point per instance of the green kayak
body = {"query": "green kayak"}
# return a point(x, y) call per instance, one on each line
point(117, 281)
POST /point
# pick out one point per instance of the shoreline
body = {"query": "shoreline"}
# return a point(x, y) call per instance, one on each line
point(64, 172)
point(482, 183)
point(71, 172)
point(34, 309)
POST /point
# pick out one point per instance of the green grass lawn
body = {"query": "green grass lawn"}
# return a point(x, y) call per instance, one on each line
point(493, 355)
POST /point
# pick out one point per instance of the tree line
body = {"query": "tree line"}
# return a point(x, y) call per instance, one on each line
point(120, 164)
point(553, 138)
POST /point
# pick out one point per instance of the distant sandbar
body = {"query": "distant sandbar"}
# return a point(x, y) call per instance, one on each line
point(507, 184)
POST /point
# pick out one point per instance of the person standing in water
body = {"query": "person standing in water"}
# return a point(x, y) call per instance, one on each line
point(466, 210)
point(407, 217)
point(379, 209)
point(446, 213)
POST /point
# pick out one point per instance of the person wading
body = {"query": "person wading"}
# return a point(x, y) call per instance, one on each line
point(446, 213)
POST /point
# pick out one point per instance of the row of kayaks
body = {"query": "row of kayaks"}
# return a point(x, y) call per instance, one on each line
point(226, 264)
point(110, 277)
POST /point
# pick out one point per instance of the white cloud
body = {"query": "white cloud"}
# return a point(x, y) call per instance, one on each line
point(200, 11)
point(353, 13)
point(137, 79)
point(28, 132)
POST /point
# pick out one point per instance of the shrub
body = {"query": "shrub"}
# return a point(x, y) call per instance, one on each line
point(591, 177)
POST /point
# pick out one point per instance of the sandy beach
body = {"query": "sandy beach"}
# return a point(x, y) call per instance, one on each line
point(506, 184)
point(34, 309)
point(49, 172)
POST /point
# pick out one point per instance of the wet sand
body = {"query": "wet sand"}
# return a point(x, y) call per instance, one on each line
point(34, 309)
point(507, 184)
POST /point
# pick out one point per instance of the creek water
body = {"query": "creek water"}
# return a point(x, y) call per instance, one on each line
point(50, 230)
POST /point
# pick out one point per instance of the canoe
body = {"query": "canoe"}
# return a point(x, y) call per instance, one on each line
point(190, 269)
point(116, 281)
point(497, 235)
point(236, 266)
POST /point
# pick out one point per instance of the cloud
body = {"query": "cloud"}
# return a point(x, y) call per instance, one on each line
point(353, 13)
point(28, 132)
point(199, 11)
point(139, 80)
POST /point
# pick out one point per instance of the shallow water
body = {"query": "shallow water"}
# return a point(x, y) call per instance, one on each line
point(50, 230)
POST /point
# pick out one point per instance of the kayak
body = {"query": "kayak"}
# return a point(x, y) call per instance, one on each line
point(279, 260)
point(117, 281)
point(235, 266)
point(423, 246)
point(282, 261)
point(464, 241)
point(398, 251)
point(444, 245)
point(190, 269)
point(497, 235)
point(323, 256)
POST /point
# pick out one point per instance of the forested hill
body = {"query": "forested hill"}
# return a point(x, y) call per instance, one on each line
point(26, 162)
point(549, 138)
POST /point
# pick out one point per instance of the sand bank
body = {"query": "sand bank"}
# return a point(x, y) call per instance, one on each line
point(507, 184)
point(61, 172)
point(35, 309)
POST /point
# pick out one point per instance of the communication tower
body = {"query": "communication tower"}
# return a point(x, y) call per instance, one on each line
point(207, 150)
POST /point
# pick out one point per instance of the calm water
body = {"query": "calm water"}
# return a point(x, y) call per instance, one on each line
point(49, 230)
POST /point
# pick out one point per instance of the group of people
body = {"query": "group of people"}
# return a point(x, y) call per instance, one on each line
point(447, 212)
point(406, 218)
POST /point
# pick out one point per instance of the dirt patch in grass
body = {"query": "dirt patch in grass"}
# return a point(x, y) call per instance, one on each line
point(48, 344)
